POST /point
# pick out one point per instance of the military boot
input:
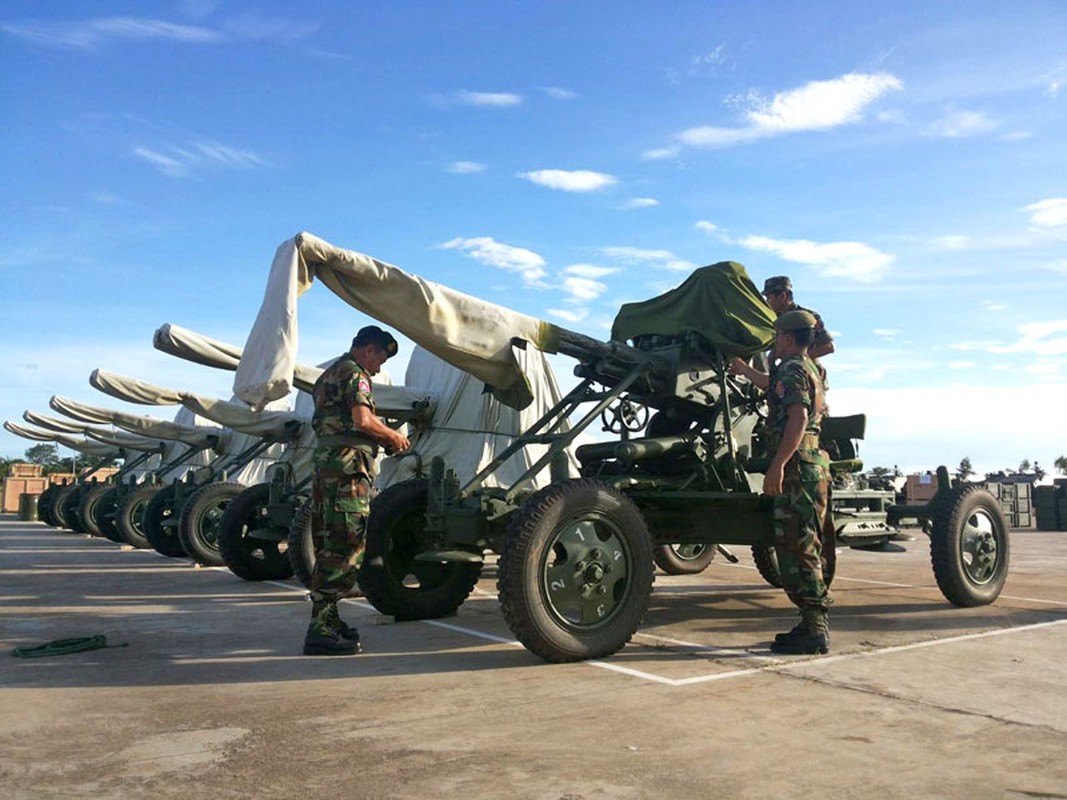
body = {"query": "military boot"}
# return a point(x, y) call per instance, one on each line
point(323, 637)
point(344, 630)
point(813, 637)
point(798, 630)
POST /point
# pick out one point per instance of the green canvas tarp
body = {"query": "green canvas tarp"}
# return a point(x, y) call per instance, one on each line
point(719, 302)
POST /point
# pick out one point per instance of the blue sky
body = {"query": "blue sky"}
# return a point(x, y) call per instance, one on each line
point(905, 163)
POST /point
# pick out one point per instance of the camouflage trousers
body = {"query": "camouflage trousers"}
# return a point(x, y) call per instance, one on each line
point(799, 516)
point(341, 503)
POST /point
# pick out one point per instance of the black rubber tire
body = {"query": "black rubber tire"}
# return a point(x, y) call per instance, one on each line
point(71, 504)
point(683, 559)
point(160, 509)
point(392, 580)
point(969, 547)
point(250, 558)
point(90, 498)
point(200, 519)
point(44, 507)
point(59, 505)
point(552, 557)
point(302, 546)
point(105, 513)
point(129, 516)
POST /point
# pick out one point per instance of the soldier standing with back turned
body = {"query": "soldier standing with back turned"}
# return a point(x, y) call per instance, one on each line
point(349, 434)
point(797, 478)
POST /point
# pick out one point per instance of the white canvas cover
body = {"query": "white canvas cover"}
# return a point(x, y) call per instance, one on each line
point(469, 333)
point(132, 390)
point(127, 441)
point(192, 346)
point(82, 446)
point(469, 426)
point(53, 424)
point(197, 436)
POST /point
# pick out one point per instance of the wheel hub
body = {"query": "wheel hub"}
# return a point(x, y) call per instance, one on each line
point(980, 549)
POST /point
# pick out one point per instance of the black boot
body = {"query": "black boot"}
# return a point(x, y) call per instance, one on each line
point(323, 637)
point(344, 630)
point(798, 630)
point(813, 639)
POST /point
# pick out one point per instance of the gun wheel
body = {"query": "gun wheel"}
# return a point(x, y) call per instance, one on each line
point(160, 509)
point(248, 555)
point(302, 545)
point(969, 547)
point(201, 518)
point(45, 504)
point(393, 581)
point(576, 571)
point(129, 516)
point(105, 511)
point(683, 559)
point(87, 510)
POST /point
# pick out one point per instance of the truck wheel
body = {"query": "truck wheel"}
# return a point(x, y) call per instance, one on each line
point(392, 580)
point(104, 513)
point(969, 547)
point(160, 509)
point(129, 516)
point(59, 504)
point(90, 500)
point(576, 571)
point(683, 559)
point(200, 518)
point(70, 510)
point(302, 547)
point(247, 555)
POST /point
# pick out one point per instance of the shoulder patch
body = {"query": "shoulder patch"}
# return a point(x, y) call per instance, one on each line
point(363, 385)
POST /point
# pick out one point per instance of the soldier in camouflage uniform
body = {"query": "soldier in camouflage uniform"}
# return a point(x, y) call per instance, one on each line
point(779, 293)
point(348, 436)
point(797, 478)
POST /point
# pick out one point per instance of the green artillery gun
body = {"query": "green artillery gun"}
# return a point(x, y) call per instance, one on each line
point(576, 557)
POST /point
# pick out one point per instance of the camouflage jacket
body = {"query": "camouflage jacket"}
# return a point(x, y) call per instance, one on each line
point(341, 387)
point(796, 379)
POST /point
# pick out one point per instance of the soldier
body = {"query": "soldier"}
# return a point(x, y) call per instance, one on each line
point(349, 434)
point(797, 477)
point(779, 293)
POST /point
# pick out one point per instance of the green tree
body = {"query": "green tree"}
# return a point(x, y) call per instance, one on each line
point(964, 469)
point(1061, 465)
point(45, 454)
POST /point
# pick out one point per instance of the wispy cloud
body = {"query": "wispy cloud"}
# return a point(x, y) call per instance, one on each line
point(181, 162)
point(466, 167)
point(581, 281)
point(1050, 213)
point(489, 99)
point(663, 259)
point(487, 250)
point(640, 202)
point(852, 260)
point(578, 180)
point(818, 105)
point(88, 34)
point(960, 124)
point(558, 93)
point(1047, 338)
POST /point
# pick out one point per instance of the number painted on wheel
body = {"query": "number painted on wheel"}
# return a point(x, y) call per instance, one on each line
point(558, 585)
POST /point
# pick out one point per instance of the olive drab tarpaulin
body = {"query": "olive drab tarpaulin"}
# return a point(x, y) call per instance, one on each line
point(471, 334)
point(720, 302)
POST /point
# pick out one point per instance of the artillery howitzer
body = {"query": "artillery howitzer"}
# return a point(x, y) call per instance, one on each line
point(576, 557)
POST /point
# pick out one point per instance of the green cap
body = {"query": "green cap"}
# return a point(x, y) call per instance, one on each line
point(795, 321)
point(779, 283)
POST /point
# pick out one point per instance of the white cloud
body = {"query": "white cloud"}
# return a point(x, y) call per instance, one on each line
point(1048, 213)
point(179, 162)
point(466, 167)
point(491, 99)
point(658, 153)
point(819, 105)
point(960, 364)
point(853, 260)
point(664, 259)
point(959, 124)
point(1047, 338)
point(574, 316)
point(88, 34)
point(590, 270)
point(953, 242)
point(578, 180)
point(582, 290)
point(503, 256)
point(558, 93)
point(886, 333)
point(992, 305)
point(641, 202)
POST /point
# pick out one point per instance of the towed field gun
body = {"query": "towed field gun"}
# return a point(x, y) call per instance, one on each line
point(576, 557)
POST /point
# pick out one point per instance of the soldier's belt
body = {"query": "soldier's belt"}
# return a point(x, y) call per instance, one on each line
point(349, 441)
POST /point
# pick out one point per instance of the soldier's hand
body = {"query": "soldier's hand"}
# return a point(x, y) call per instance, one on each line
point(772, 480)
point(399, 444)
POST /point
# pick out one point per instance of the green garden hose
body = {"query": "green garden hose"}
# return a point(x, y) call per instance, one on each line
point(62, 647)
